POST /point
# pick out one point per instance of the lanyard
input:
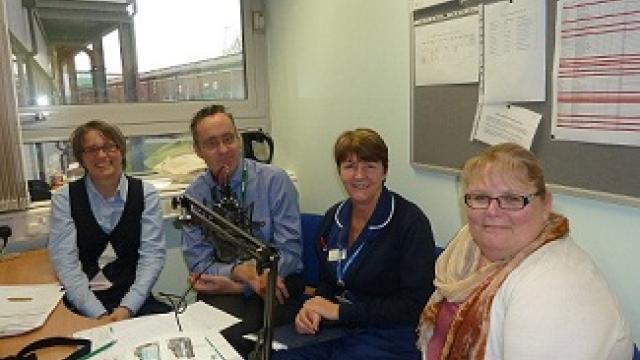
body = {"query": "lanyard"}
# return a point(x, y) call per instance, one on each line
point(341, 266)
point(243, 184)
point(342, 270)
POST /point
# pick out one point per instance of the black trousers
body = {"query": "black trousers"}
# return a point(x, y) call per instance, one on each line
point(251, 309)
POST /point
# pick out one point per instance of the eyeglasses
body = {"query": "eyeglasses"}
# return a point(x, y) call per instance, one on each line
point(505, 202)
point(213, 143)
point(108, 148)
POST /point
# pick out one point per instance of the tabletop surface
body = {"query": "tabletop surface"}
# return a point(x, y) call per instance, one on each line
point(33, 267)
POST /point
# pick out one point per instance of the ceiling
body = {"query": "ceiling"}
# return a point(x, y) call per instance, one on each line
point(76, 23)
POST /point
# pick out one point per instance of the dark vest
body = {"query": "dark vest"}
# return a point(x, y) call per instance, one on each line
point(124, 238)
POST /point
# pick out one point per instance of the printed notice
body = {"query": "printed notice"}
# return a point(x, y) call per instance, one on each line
point(447, 52)
point(596, 77)
point(501, 123)
point(514, 51)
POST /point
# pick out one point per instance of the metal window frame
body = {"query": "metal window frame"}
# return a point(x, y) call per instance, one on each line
point(139, 119)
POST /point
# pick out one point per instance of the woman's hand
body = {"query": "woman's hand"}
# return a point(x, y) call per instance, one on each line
point(325, 308)
point(307, 321)
point(120, 313)
point(212, 284)
point(312, 312)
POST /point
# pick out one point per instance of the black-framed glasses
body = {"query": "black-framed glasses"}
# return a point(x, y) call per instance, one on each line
point(505, 202)
point(108, 148)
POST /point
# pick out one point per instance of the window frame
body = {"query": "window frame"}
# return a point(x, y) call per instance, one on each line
point(134, 119)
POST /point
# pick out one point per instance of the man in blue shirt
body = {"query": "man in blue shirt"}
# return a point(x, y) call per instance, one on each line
point(106, 217)
point(228, 283)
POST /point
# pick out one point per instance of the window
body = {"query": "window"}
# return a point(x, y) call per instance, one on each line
point(133, 62)
point(145, 65)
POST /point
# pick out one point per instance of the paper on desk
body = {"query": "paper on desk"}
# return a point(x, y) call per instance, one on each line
point(203, 314)
point(208, 345)
point(26, 307)
point(197, 318)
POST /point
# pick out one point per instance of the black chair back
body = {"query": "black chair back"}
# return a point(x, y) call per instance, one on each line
point(257, 145)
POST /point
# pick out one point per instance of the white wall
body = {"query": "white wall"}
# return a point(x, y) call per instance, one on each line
point(335, 65)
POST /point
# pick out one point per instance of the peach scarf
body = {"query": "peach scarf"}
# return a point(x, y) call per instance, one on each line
point(458, 279)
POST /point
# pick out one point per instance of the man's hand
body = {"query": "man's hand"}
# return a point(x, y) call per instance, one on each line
point(247, 273)
point(120, 313)
point(244, 272)
point(212, 284)
point(282, 293)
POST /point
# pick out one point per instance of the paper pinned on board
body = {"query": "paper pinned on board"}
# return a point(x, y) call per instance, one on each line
point(421, 4)
point(447, 52)
point(499, 123)
point(514, 51)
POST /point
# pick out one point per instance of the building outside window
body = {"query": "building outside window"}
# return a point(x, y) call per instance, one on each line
point(145, 65)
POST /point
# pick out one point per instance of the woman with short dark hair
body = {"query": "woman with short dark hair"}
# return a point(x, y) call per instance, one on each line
point(376, 253)
point(106, 212)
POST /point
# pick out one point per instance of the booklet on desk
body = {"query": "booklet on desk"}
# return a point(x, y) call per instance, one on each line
point(286, 336)
point(201, 323)
point(26, 307)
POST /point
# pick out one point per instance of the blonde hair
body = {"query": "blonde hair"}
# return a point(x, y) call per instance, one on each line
point(509, 160)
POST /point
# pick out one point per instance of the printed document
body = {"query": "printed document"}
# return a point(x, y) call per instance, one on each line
point(201, 323)
point(514, 51)
point(26, 307)
point(501, 123)
point(421, 4)
point(596, 77)
point(447, 52)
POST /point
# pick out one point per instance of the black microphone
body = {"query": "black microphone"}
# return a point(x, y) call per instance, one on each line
point(226, 205)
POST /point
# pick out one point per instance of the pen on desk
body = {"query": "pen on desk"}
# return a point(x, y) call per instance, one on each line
point(98, 350)
point(19, 298)
point(214, 348)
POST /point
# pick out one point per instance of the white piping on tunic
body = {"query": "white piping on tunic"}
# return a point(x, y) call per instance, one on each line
point(371, 227)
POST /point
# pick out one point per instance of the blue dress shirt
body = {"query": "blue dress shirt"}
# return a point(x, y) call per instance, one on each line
point(63, 250)
point(275, 200)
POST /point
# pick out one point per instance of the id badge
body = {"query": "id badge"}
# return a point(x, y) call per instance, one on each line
point(337, 254)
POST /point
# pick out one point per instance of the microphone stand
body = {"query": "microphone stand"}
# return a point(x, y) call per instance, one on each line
point(266, 258)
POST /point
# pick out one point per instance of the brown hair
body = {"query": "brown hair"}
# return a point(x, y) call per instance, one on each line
point(109, 131)
point(366, 144)
point(508, 159)
point(206, 111)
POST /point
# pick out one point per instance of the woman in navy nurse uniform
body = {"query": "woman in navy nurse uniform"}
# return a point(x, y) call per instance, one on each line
point(377, 263)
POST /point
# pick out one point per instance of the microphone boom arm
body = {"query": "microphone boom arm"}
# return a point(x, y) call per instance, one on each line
point(266, 258)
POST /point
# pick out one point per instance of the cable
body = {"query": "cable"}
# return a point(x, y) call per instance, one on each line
point(179, 302)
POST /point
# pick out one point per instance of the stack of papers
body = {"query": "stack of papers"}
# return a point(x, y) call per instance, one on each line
point(26, 307)
point(201, 324)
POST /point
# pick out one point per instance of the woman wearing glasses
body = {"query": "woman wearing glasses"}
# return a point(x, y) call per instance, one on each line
point(512, 284)
point(106, 242)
